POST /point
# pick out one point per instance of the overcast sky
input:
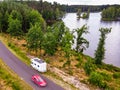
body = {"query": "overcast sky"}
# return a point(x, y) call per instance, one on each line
point(86, 2)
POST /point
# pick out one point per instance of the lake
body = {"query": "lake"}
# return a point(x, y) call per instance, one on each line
point(94, 23)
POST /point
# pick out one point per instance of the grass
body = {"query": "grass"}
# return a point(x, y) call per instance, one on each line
point(11, 80)
point(14, 48)
point(19, 54)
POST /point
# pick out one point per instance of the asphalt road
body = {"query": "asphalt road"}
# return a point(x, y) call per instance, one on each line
point(25, 72)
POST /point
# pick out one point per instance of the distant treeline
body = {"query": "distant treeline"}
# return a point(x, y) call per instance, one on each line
point(44, 5)
point(111, 13)
point(92, 8)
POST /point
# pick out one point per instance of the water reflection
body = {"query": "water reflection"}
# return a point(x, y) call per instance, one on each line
point(94, 22)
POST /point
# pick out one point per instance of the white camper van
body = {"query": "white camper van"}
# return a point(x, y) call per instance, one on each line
point(39, 64)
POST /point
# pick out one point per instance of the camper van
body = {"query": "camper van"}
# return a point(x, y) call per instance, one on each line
point(39, 64)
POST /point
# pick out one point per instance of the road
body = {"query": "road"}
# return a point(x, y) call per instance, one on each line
point(24, 71)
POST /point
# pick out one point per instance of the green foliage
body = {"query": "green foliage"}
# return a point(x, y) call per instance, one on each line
point(57, 13)
point(97, 79)
point(35, 17)
point(58, 29)
point(89, 66)
point(15, 28)
point(100, 52)
point(17, 50)
point(85, 15)
point(13, 8)
point(67, 41)
point(116, 75)
point(111, 13)
point(4, 21)
point(53, 36)
point(80, 60)
point(49, 12)
point(15, 15)
point(68, 62)
point(15, 86)
point(109, 67)
point(81, 42)
point(106, 77)
point(49, 43)
point(35, 37)
point(10, 79)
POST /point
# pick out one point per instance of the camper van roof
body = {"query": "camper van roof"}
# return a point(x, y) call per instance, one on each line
point(38, 60)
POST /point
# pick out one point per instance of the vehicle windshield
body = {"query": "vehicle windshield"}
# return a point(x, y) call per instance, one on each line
point(39, 79)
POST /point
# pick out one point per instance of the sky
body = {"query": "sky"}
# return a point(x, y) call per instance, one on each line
point(86, 2)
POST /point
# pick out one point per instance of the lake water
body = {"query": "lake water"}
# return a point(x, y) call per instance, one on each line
point(94, 23)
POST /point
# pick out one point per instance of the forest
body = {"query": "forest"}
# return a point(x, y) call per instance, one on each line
point(68, 8)
point(111, 13)
point(29, 21)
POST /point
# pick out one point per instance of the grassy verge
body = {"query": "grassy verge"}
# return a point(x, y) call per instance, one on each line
point(9, 80)
point(19, 54)
point(14, 49)
point(22, 56)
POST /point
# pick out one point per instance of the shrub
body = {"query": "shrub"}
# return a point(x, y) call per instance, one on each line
point(116, 75)
point(15, 86)
point(79, 59)
point(97, 79)
point(19, 52)
point(67, 63)
point(110, 67)
point(106, 76)
point(89, 66)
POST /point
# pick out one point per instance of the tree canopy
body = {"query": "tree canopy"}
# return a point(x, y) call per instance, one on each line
point(81, 42)
point(111, 13)
point(100, 52)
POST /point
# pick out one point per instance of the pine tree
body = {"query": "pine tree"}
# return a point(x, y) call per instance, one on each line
point(100, 52)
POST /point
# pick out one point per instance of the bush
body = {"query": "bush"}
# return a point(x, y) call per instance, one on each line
point(110, 67)
point(116, 75)
point(15, 86)
point(19, 52)
point(79, 59)
point(97, 79)
point(89, 67)
point(106, 76)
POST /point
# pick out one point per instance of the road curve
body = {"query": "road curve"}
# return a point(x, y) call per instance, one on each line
point(24, 71)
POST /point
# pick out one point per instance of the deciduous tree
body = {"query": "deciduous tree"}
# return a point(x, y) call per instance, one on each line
point(15, 23)
point(81, 42)
point(35, 38)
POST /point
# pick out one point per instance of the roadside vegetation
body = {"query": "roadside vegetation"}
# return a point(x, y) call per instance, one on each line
point(29, 34)
point(11, 81)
